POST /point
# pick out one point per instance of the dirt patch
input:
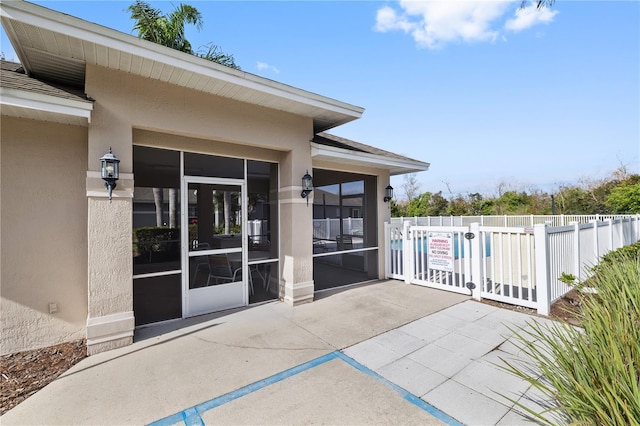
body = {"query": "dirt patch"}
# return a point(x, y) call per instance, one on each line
point(24, 373)
point(566, 309)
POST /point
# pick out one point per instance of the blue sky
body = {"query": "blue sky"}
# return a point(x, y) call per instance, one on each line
point(484, 91)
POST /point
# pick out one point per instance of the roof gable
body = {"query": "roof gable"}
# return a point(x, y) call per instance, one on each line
point(55, 46)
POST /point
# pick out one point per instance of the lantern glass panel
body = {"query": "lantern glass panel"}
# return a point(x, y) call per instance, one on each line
point(307, 182)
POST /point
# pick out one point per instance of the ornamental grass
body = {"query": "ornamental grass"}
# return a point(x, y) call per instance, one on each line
point(588, 375)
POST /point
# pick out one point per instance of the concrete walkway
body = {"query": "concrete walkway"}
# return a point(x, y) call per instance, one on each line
point(383, 353)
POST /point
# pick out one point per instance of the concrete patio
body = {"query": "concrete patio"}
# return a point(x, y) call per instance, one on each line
point(383, 353)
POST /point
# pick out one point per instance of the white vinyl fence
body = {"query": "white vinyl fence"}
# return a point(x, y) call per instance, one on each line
point(519, 265)
point(329, 229)
point(506, 220)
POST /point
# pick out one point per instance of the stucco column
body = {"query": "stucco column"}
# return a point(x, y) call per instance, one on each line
point(296, 228)
point(384, 215)
point(110, 321)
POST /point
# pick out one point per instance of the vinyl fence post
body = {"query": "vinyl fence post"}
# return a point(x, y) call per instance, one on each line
point(387, 250)
point(596, 243)
point(477, 260)
point(610, 224)
point(541, 245)
point(407, 253)
point(327, 229)
point(577, 265)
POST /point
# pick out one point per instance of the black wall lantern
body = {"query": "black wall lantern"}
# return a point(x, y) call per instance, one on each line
point(110, 173)
point(388, 193)
point(307, 186)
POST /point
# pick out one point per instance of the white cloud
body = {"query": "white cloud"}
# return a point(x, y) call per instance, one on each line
point(265, 66)
point(530, 16)
point(433, 24)
point(388, 20)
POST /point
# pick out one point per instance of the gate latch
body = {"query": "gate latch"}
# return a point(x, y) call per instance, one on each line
point(469, 235)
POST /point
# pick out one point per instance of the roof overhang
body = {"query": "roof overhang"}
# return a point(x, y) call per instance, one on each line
point(57, 46)
point(27, 104)
point(344, 156)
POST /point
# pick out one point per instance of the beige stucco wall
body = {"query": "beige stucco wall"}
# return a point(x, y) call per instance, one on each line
point(130, 109)
point(45, 255)
point(92, 284)
point(43, 229)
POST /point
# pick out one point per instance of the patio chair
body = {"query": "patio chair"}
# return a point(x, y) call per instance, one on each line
point(345, 242)
point(259, 243)
point(220, 271)
point(200, 263)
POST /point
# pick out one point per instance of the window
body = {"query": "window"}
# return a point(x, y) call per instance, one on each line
point(344, 228)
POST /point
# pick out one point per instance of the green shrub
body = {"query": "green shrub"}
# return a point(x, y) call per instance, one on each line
point(591, 375)
point(615, 256)
point(156, 243)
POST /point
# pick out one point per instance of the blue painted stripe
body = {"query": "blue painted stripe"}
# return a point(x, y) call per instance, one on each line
point(171, 420)
point(191, 416)
point(188, 416)
point(440, 415)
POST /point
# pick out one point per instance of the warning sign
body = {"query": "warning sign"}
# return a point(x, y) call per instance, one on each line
point(440, 254)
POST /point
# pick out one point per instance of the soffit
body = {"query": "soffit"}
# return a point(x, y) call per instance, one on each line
point(55, 46)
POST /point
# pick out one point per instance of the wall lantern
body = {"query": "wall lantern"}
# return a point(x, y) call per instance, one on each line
point(110, 172)
point(307, 186)
point(388, 193)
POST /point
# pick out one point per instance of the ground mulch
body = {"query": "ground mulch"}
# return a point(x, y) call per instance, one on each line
point(566, 309)
point(24, 373)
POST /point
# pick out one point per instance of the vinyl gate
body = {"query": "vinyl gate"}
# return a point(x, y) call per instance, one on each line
point(441, 257)
point(515, 265)
point(484, 262)
point(507, 265)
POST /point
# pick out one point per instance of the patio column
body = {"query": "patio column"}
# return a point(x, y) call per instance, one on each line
point(110, 321)
point(296, 228)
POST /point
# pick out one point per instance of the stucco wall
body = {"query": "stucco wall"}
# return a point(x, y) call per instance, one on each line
point(132, 102)
point(43, 227)
point(134, 110)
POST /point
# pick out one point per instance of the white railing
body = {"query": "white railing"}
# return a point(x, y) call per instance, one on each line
point(506, 220)
point(328, 229)
point(518, 265)
point(576, 248)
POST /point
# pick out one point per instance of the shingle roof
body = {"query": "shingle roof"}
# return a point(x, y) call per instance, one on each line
point(327, 139)
point(12, 76)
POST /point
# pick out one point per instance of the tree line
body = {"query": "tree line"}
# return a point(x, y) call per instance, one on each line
point(618, 193)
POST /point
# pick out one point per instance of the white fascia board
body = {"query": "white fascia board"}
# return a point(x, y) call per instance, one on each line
point(40, 102)
point(380, 161)
point(94, 33)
